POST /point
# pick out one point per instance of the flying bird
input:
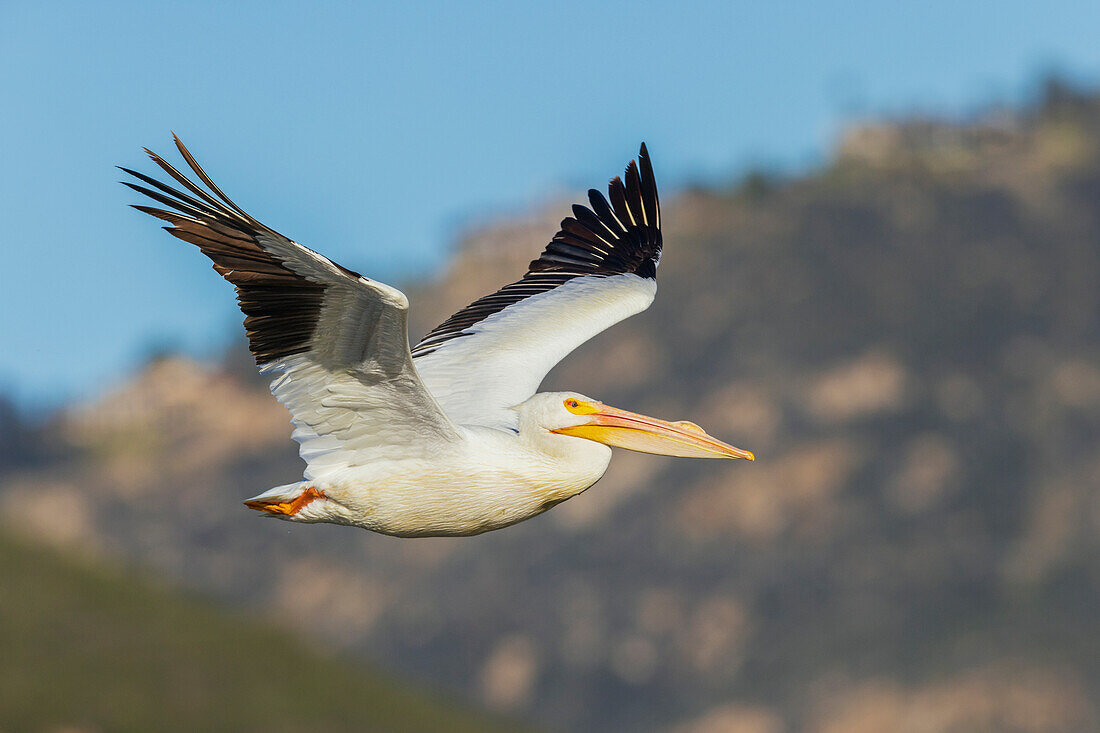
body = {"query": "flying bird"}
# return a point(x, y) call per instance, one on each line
point(449, 437)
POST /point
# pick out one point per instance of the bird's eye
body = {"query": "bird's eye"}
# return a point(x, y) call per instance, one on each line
point(578, 407)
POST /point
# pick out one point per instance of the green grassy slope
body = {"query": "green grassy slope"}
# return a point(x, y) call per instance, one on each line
point(83, 648)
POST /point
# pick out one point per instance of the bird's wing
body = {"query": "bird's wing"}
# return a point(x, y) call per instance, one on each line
point(336, 339)
point(599, 269)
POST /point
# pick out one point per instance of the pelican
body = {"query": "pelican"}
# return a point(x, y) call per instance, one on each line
point(450, 437)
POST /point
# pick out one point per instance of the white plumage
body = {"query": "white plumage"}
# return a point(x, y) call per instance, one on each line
point(449, 438)
point(478, 379)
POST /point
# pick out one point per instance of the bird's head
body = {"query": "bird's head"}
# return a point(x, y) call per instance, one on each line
point(576, 416)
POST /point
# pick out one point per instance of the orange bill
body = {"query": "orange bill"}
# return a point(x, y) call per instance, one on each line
point(623, 429)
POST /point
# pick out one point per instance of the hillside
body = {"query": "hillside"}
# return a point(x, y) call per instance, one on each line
point(86, 649)
point(908, 339)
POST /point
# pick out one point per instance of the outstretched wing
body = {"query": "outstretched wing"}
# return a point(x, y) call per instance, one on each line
point(599, 269)
point(338, 340)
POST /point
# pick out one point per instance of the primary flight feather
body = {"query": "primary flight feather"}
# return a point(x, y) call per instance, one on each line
point(450, 437)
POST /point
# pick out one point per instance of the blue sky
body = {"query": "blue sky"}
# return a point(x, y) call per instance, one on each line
point(375, 132)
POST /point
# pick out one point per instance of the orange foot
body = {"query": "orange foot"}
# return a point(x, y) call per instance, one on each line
point(288, 508)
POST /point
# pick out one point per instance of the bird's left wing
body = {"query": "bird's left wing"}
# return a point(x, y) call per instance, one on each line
point(600, 268)
point(338, 340)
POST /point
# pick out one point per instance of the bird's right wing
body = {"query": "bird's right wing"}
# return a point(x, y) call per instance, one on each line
point(337, 339)
point(600, 268)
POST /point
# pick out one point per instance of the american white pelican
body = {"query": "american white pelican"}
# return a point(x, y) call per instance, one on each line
point(450, 437)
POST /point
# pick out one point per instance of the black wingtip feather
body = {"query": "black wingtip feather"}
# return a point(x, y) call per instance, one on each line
point(616, 238)
point(281, 307)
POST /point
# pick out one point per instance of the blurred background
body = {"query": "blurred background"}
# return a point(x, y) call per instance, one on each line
point(882, 232)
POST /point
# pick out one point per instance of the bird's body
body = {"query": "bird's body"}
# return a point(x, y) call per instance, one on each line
point(450, 437)
point(486, 480)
